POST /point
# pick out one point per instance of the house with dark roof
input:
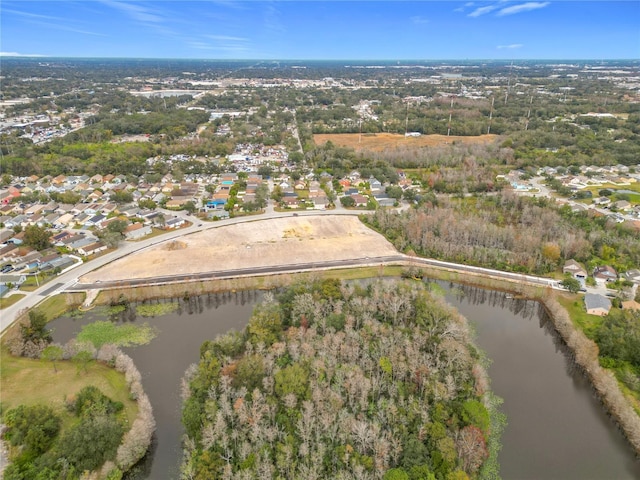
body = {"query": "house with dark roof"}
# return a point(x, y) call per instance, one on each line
point(597, 304)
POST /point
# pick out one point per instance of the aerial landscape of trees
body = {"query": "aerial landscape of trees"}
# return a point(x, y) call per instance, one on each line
point(331, 380)
point(509, 232)
point(337, 380)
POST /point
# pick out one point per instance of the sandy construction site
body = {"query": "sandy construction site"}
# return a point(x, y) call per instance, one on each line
point(273, 242)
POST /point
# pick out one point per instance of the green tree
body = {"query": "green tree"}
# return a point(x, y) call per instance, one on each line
point(91, 442)
point(292, 379)
point(36, 328)
point(571, 284)
point(121, 197)
point(34, 426)
point(394, 191)
point(82, 359)
point(347, 202)
point(395, 474)
point(265, 325)
point(118, 226)
point(147, 203)
point(190, 207)
point(52, 353)
point(37, 237)
point(618, 336)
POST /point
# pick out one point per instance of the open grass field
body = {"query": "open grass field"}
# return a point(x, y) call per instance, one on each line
point(27, 381)
point(384, 141)
point(10, 300)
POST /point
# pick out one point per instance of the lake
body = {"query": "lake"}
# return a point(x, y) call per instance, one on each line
point(556, 427)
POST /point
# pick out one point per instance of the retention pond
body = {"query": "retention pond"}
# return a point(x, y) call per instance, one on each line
point(556, 428)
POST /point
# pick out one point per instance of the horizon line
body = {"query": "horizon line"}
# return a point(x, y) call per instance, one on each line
point(38, 57)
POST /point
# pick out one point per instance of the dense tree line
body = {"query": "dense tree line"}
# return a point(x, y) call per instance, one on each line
point(508, 232)
point(339, 381)
point(91, 440)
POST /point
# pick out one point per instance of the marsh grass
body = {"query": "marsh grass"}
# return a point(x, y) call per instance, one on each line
point(102, 332)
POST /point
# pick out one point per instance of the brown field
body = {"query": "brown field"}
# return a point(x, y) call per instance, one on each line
point(383, 141)
point(280, 241)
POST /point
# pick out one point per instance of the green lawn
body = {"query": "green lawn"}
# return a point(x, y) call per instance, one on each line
point(27, 381)
point(31, 284)
point(574, 304)
point(10, 300)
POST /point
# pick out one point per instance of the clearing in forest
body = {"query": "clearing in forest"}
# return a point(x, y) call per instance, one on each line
point(384, 141)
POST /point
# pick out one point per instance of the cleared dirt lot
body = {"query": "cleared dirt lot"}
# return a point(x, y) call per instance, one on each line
point(384, 141)
point(281, 241)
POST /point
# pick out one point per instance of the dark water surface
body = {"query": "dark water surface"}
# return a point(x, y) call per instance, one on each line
point(162, 363)
point(556, 427)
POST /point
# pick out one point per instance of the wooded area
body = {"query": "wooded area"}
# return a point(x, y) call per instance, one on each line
point(331, 380)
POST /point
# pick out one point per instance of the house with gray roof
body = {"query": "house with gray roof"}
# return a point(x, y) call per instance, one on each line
point(597, 304)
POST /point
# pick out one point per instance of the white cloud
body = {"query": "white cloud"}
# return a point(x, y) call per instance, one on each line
point(483, 10)
point(31, 15)
point(227, 38)
point(523, 7)
point(419, 20)
point(136, 11)
point(513, 45)
point(16, 54)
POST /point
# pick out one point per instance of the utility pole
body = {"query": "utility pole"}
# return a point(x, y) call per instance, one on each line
point(493, 99)
point(450, 113)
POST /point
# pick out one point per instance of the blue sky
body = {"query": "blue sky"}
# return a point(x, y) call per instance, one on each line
point(224, 29)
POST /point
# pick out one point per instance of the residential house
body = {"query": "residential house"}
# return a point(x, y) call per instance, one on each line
point(291, 202)
point(574, 269)
point(375, 185)
point(20, 220)
point(320, 203)
point(632, 276)
point(175, 222)
point(136, 231)
point(384, 200)
point(622, 205)
point(597, 304)
point(95, 220)
point(68, 241)
point(361, 200)
point(5, 252)
point(60, 261)
point(6, 234)
point(13, 280)
point(80, 243)
point(33, 209)
point(604, 274)
point(58, 237)
point(63, 221)
point(92, 248)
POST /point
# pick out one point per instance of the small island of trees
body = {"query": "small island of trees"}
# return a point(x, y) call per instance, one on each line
point(333, 380)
